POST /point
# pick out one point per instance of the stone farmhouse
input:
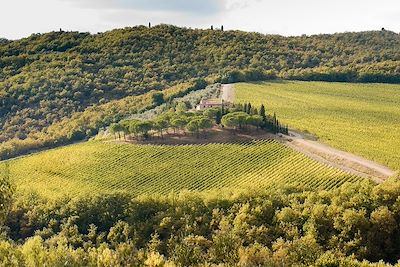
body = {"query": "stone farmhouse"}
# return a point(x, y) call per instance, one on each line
point(211, 103)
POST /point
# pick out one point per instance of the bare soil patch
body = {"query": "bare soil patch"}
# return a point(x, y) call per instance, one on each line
point(228, 93)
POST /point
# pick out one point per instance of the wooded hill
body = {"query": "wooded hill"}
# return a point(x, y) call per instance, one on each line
point(47, 78)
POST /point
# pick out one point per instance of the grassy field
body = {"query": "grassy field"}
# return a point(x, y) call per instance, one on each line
point(97, 167)
point(359, 118)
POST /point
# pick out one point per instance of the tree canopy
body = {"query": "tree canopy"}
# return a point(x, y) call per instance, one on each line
point(48, 79)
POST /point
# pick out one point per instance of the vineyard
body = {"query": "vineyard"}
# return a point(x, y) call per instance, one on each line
point(359, 118)
point(97, 167)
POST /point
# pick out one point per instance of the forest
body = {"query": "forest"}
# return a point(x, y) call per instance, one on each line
point(52, 79)
point(286, 226)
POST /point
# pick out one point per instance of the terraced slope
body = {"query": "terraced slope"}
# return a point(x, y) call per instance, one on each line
point(97, 167)
point(363, 119)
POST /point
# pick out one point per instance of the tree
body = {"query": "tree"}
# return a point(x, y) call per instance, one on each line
point(143, 127)
point(140, 128)
point(199, 123)
point(204, 124)
point(254, 120)
point(214, 114)
point(229, 121)
point(133, 128)
point(382, 234)
point(157, 98)
point(235, 119)
point(193, 127)
point(179, 123)
point(262, 112)
point(248, 110)
point(160, 124)
point(241, 118)
point(181, 108)
point(115, 128)
point(124, 127)
point(6, 194)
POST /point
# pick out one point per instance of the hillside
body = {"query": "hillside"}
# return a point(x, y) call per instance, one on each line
point(48, 78)
point(358, 118)
point(103, 168)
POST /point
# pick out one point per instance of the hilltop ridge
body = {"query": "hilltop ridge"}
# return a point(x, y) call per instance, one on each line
point(46, 79)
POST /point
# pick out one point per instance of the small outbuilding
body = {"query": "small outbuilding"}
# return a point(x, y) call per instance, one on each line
point(210, 103)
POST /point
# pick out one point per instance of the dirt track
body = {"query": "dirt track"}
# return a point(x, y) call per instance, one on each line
point(309, 146)
point(337, 158)
point(228, 93)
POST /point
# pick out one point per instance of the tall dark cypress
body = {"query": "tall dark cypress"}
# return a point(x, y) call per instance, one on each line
point(263, 115)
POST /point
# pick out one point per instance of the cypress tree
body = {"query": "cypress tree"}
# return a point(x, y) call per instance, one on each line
point(218, 117)
point(264, 116)
point(262, 112)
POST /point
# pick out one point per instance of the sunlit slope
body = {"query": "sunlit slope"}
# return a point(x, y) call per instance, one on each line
point(97, 167)
point(360, 118)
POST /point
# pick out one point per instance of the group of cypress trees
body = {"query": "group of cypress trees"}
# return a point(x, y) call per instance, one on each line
point(270, 122)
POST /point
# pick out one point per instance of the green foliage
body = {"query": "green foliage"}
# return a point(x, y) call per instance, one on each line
point(157, 98)
point(359, 118)
point(235, 119)
point(273, 227)
point(255, 120)
point(6, 193)
point(181, 107)
point(85, 124)
point(50, 79)
point(214, 114)
point(198, 123)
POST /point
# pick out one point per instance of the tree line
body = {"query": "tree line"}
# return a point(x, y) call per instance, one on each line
point(278, 226)
point(181, 120)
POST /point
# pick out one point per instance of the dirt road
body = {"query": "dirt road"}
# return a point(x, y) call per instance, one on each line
point(228, 94)
point(308, 145)
point(337, 158)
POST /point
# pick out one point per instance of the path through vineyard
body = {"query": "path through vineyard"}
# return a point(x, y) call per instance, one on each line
point(228, 94)
point(323, 153)
point(337, 158)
